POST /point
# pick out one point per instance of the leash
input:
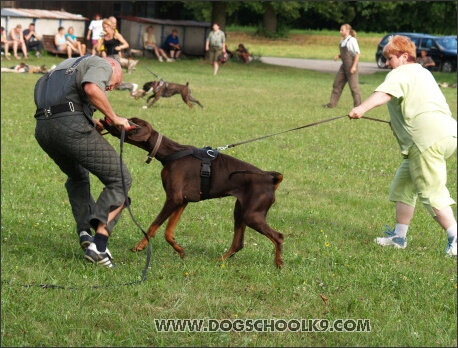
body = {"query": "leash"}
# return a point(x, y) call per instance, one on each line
point(160, 78)
point(222, 148)
point(148, 249)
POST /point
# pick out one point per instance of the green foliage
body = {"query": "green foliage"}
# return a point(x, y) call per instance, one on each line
point(435, 17)
point(330, 206)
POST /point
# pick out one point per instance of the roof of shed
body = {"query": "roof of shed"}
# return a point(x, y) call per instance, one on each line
point(166, 21)
point(31, 13)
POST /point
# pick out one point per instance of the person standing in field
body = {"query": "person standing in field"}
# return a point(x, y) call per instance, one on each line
point(348, 71)
point(216, 46)
point(95, 31)
point(423, 125)
point(66, 99)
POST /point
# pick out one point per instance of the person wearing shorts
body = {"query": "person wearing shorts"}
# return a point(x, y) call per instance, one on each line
point(216, 46)
point(423, 125)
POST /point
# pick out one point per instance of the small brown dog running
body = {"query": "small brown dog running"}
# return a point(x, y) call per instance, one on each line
point(166, 90)
point(253, 188)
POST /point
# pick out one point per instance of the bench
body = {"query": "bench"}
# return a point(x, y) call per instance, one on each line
point(50, 47)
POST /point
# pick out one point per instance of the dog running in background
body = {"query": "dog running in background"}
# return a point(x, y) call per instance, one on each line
point(166, 89)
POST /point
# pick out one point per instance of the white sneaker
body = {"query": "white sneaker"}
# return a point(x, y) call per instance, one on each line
point(160, 59)
point(450, 250)
point(102, 259)
point(169, 60)
point(392, 239)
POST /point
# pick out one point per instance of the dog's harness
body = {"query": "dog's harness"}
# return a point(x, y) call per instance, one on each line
point(206, 155)
point(161, 83)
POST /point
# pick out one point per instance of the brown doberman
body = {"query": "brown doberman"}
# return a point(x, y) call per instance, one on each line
point(253, 188)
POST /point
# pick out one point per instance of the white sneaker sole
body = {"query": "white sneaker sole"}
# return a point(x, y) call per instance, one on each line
point(382, 242)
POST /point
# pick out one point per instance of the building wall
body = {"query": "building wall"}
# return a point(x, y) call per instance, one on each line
point(44, 26)
point(192, 35)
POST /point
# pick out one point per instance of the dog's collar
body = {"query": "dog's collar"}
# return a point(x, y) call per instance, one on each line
point(156, 147)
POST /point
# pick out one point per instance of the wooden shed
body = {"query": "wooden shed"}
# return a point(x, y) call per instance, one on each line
point(192, 34)
point(46, 22)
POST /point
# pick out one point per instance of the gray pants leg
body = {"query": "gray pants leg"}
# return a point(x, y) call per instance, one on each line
point(78, 149)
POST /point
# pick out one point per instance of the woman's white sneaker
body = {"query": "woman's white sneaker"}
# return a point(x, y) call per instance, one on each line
point(450, 250)
point(392, 239)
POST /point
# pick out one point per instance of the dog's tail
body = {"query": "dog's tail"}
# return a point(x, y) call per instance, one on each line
point(277, 178)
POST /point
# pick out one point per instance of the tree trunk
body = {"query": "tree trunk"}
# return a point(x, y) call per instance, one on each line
point(219, 14)
point(269, 20)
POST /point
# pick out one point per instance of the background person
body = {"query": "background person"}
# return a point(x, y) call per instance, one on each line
point(61, 43)
point(149, 43)
point(71, 37)
point(172, 45)
point(17, 37)
point(6, 44)
point(72, 140)
point(348, 71)
point(425, 61)
point(33, 40)
point(113, 42)
point(243, 54)
point(95, 32)
point(422, 123)
point(215, 45)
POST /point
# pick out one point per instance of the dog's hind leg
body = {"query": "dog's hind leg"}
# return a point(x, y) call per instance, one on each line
point(255, 217)
point(239, 232)
point(191, 99)
point(170, 229)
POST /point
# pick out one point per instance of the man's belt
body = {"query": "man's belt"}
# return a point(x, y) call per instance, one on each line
point(57, 109)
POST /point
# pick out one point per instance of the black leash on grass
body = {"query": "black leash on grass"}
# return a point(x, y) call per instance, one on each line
point(221, 148)
point(148, 249)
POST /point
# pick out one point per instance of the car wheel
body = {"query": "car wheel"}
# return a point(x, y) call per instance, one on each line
point(381, 62)
point(447, 67)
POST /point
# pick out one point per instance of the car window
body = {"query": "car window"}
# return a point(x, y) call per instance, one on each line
point(415, 40)
point(449, 43)
point(426, 43)
point(384, 40)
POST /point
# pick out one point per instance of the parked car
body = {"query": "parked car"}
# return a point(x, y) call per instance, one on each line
point(442, 49)
point(380, 59)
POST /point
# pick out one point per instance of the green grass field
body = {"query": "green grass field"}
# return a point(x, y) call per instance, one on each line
point(330, 206)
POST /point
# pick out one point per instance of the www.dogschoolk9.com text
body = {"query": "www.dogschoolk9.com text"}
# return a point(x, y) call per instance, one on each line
point(262, 325)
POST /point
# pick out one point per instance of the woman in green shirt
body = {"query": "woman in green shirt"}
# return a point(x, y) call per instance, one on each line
point(422, 123)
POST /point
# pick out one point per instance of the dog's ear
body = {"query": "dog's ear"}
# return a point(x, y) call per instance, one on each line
point(139, 134)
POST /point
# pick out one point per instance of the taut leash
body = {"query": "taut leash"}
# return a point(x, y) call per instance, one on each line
point(221, 148)
point(271, 135)
point(375, 119)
